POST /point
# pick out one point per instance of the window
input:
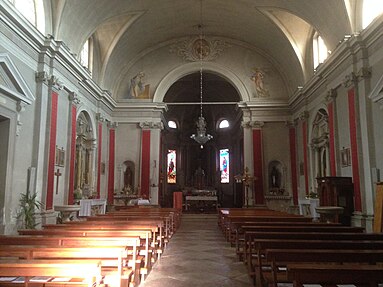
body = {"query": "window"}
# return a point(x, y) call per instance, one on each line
point(33, 11)
point(224, 124)
point(172, 124)
point(224, 165)
point(171, 170)
point(319, 50)
point(371, 9)
point(84, 55)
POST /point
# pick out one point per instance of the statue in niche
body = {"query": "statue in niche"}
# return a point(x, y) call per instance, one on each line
point(128, 178)
point(275, 177)
point(276, 185)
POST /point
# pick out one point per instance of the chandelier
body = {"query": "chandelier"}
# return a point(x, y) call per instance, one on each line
point(201, 136)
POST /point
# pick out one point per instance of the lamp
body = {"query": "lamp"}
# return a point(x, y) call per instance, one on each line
point(201, 136)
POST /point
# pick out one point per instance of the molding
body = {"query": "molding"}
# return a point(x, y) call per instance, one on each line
point(22, 91)
point(252, 124)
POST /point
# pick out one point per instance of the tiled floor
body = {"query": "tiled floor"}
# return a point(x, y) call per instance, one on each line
point(197, 256)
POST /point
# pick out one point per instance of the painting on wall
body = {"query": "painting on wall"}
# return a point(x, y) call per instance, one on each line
point(137, 88)
point(60, 156)
point(345, 154)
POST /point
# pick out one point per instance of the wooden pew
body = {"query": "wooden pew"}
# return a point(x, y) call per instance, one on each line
point(254, 249)
point(145, 235)
point(242, 246)
point(279, 258)
point(155, 225)
point(115, 262)
point(88, 269)
point(333, 274)
point(132, 243)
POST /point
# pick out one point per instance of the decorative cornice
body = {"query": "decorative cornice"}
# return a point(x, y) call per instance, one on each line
point(151, 125)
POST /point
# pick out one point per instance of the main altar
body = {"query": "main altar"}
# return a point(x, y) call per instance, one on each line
point(200, 199)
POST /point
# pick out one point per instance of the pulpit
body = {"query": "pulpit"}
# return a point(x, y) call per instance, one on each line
point(337, 191)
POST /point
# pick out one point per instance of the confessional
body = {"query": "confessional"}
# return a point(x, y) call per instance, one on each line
point(337, 191)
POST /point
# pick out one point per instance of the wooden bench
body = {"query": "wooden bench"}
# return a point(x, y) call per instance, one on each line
point(116, 262)
point(256, 250)
point(279, 258)
point(130, 243)
point(242, 246)
point(333, 274)
point(89, 270)
point(145, 249)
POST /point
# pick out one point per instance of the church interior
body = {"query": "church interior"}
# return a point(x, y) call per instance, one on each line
point(263, 115)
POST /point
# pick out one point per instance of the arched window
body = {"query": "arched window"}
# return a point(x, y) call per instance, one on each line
point(319, 50)
point(371, 9)
point(33, 11)
point(224, 124)
point(172, 124)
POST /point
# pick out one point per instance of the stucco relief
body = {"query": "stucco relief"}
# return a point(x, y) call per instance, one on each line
point(194, 48)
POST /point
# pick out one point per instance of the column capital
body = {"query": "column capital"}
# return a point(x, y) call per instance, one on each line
point(291, 124)
point(331, 95)
point(100, 117)
point(364, 73)
point(350, 80)
point(253, 124)
point(151, 125)
point(112, 125)
point(73, 97)
point(50, 80)
point(303, 115)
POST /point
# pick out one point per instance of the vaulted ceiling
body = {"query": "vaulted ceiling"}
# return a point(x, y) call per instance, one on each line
point(126, 30)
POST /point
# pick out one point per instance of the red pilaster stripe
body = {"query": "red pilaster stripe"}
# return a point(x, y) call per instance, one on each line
point(330, 108)
point(72, 155)
point(99, 159)
point(112, 137)
point(145, 163)
point(258, 166)
point(354, 149)
point(52, 151)
point(293, 164)
point(305, 158)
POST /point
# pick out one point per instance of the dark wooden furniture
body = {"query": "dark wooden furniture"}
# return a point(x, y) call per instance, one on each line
point(337, 191)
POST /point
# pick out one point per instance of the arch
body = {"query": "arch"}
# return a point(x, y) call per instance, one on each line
point(190, 68)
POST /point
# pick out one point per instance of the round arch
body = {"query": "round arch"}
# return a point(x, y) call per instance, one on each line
point(190, 68)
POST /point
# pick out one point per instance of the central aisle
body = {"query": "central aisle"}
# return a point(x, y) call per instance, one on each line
point(197, 256)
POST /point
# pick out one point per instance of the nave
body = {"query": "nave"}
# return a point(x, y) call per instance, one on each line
point(198, 255)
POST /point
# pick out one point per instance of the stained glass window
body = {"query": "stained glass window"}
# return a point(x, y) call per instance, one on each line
point(171, 170)
point(224, 165)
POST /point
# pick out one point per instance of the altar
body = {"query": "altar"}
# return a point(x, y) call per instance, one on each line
point(201, 200)
point(89, 207)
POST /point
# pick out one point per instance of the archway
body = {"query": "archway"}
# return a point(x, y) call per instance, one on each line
point(199, 168)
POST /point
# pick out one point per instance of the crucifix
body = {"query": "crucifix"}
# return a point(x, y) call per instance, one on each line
point(57, 174)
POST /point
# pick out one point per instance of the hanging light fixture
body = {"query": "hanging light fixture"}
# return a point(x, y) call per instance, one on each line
point(201, 136)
